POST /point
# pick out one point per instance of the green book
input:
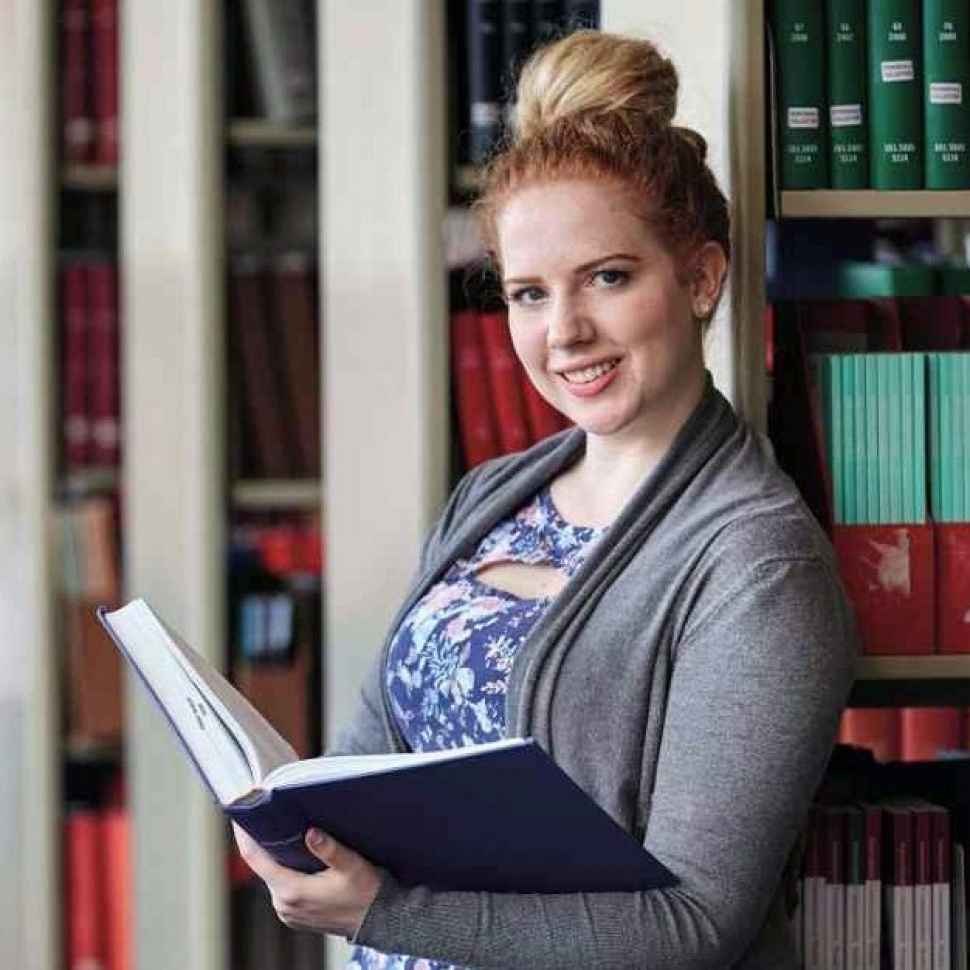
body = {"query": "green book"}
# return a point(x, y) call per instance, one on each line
point(835, 436)
point(939, 432)
point(848, 121)
point(863, 281)
point(849, 458)
point(910, 433)
point(800, 50)
point(954, 280)
point(946, 69)
point(894, 40)
point(920, 505)
point(893, 369)
point(859, 433)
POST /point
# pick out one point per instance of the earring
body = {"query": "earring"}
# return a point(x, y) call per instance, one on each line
point(703, 309)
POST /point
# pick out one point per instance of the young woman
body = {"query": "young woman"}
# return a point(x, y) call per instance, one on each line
point(645, 594)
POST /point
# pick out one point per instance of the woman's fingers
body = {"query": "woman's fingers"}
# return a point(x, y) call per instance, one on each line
point(256, 857)
point(328, 850)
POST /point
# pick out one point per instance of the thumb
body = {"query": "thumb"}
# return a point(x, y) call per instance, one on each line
point(328, 850)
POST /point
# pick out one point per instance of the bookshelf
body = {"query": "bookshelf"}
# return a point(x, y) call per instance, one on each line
point(870, 204)
point(90, 178)
point(383, 201)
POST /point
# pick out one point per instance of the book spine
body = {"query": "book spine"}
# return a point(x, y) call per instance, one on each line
point(855, 889)
point(873, 877)
point(83, 890)
point(942, 850)
point(103, 363)
point(583, 14)
point(294, 289)
point(104, 22)
point(77, 125)
point(118, 906)
point(484, 77)
point(516, 40)
point(477, 423)
point(898, 897)
point(946, 64)
point(926, 731)
point(505, 381)
point(814, 886)
point(74, 314)
point(800, 42)
point(848, 114)
point(922, 891)
point(894, 38)
point(835, 888)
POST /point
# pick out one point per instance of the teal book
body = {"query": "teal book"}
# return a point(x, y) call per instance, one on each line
point(919, 469)
point(946, 68)
point(845, 26)
point(800, 46)
point(859, 438)
point(894, 39)
point(910, 434)
point(939, 490)
point(864, 281)
point(893, 370)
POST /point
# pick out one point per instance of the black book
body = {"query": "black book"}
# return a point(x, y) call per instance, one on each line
point(548, 17)
point(583, 14)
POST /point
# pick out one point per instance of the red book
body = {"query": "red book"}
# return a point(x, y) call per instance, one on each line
point(299, 332)
point(104, 46)
point(103, 347)
point(875, 728)
point(897, 881)
point(922, 887)
point(931, 322)
point(505, 380)
point(74, 349)
point(118, 887)
point(544, 419)
point(77, 126)
point(253, 353)
point(85, 940)
point(925, 731)
point(473, 397)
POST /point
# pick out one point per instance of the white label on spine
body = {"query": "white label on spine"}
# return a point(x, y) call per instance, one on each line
point(803, 117)
point(845, 115)
point(946, 92)
point(897, 71)
point(485, 114)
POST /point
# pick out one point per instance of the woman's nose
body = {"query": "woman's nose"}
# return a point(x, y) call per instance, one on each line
point(568, 323)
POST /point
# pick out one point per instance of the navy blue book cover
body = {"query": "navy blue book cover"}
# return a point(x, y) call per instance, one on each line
point(504, 820)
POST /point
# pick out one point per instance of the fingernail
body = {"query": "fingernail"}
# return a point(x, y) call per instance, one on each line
point(316, 838)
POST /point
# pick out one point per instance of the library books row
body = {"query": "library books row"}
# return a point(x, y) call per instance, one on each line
point(498, 408)
point(97, 885)
point(89, 81)
point(498, 37)
point(90, 411)
point(274, 366)
point(882, 885)
point(907, 733)
point(260, 941)
point(872, 93)
point(908, 580)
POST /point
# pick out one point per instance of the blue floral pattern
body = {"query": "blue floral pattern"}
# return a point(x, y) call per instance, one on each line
point(449, 663)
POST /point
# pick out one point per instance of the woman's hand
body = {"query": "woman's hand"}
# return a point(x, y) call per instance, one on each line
point(333, 901)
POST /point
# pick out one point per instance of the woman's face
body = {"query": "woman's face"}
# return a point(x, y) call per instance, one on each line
point(598, 316)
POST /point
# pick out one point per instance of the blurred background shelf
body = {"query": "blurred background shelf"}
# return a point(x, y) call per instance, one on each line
point(869, 204)
point(90, 178)
point(277, 494)
point(256, 133)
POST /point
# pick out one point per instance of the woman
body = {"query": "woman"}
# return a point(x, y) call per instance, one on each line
point(645, 594)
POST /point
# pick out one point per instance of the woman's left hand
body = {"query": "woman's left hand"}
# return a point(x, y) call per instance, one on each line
point(333, 901)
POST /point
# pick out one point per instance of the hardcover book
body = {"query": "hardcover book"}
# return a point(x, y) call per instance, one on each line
point(848, 114)
point(498, 817)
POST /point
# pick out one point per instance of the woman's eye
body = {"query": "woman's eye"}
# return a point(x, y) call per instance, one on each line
point(611, 277)
point(527, 296)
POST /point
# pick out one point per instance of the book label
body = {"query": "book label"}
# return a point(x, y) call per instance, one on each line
point(803, 118)
point(845, 115)
point(897, 71)
point(945, 92)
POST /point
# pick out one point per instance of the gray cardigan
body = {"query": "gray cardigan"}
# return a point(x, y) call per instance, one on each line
point(689, 677)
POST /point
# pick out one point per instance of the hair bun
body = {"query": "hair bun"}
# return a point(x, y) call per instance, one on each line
point(589, 76)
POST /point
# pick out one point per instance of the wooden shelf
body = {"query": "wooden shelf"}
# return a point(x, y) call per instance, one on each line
point(869, 204)
point(935, 680)
point(277, 494)
point(255, 133)
point(90, 178)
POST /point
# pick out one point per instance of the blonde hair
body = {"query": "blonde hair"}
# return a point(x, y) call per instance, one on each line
point(599, 105)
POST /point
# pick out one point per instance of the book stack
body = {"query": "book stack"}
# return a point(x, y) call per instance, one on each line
point(872, 93)
point(494, 40)
point(89, 81)
point(90, 340)
point(98, 888)
point(274, 348)
point(907, 733)
point(498, 408)
point(275, 623)
point(88, 555)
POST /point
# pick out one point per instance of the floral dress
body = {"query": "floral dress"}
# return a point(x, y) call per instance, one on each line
point(449, 662)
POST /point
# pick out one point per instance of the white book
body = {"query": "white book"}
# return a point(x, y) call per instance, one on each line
point(855, 889)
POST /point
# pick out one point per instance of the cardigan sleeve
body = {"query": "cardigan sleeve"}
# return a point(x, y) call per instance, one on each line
point(757, 687)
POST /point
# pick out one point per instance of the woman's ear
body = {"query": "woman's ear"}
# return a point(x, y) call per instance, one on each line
point(708, 269)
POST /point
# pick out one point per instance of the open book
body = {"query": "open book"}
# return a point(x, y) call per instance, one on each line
point(499, 817)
